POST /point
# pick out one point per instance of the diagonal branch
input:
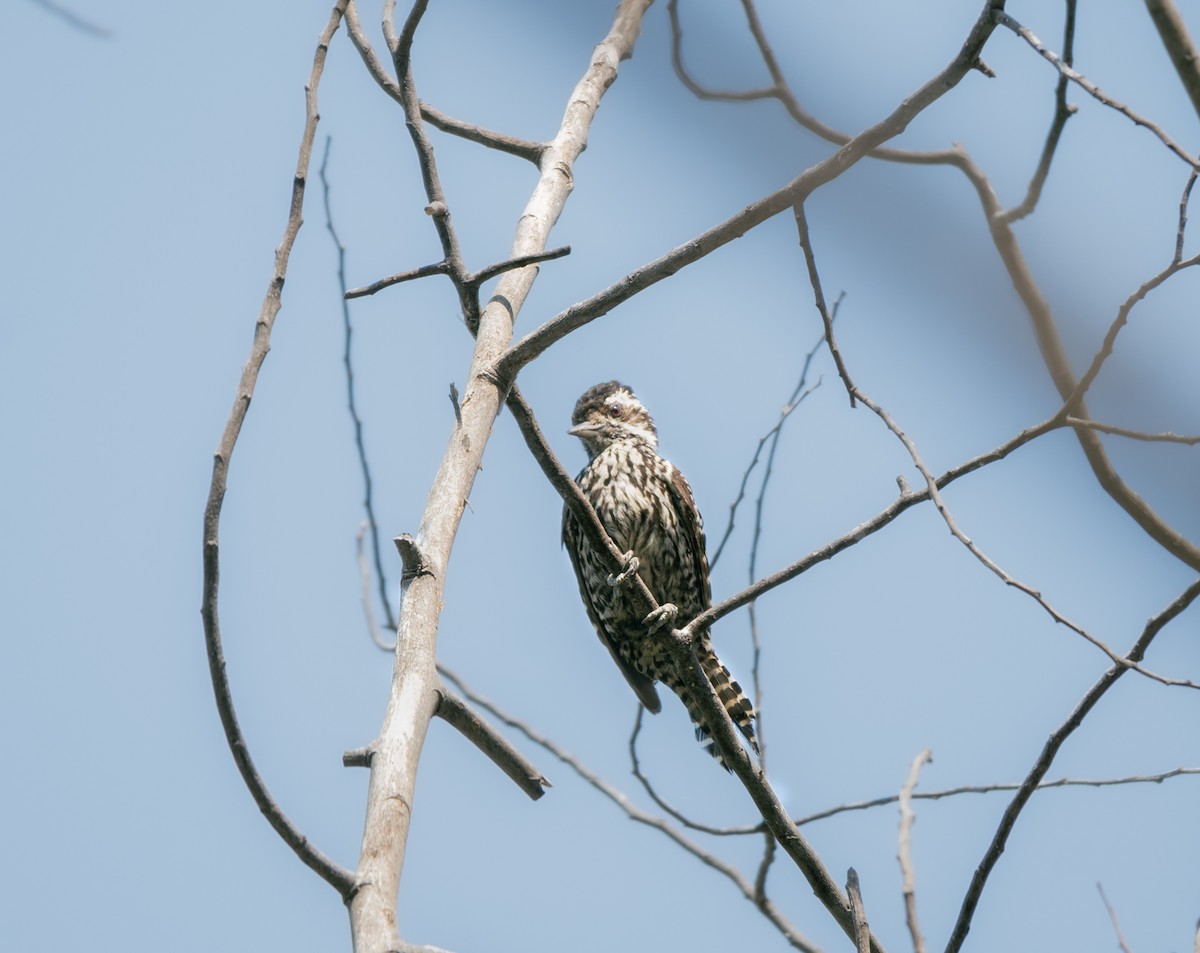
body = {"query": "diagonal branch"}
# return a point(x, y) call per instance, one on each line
point(455, 712)
point(535, 343)
point(522, 148)
point(1179, 46)
point(992, 855)
point(1059, 368)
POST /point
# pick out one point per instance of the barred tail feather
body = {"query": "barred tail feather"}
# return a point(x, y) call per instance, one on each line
point(732, 699)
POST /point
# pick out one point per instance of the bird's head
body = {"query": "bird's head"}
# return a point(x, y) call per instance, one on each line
point(608, 413)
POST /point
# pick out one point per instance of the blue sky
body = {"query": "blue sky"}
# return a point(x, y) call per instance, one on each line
point(147, 178)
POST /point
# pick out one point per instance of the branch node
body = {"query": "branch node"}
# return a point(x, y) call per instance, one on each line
point(358, 757)
point(412, 557)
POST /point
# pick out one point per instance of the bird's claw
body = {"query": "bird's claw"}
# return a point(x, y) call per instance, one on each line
point(663, 615)
point(630, 566)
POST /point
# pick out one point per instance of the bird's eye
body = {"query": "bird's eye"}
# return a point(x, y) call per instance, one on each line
point(614, 410)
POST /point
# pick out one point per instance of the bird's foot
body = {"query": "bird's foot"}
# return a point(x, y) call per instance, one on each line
point(663, 615)
point(629, 567)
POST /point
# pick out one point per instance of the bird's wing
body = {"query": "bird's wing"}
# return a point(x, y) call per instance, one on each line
point(642, 685)
point(692, 528)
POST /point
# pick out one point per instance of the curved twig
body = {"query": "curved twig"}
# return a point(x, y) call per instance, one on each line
point(333, 873)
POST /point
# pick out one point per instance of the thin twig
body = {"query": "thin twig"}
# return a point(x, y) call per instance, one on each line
point(1119, 322)
point(1092, 89)
point(333, 873)
point(1000, 839)
point(904, 853)
point(1058, 365)
point(798, 395)
point(754, 780)
point(1112, 916)
point(364, 574)
point(352, 406)
point(931, 483)
point(781, 91)
point(634, 813)
point(881, 519)
point(411, 274)
point(1181, 230)
point(666, 805)
point(1062, 112)
point(996, 788)
point(1164, 437)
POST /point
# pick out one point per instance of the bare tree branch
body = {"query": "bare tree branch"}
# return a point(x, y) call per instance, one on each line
point(754, 779)
point(522, 148)
point(669, 808)
point(907, 499)
point(999, 840)
point(634, 813)
point(904, 853)
point(470, 281)
point(1092, 89)
point(995, 788)
point(413, 699)
point(1166, 437)
point(799, 393)
point(1122, 318)
point(1112, 915)
point(355, 419)
point(1179, 46)
point(1057, 364)
point(536, 342)
point(456, 712)
point(334, 874)
point(1062, 112)
point(862, 931)
point(931, 483)
point(781, 91)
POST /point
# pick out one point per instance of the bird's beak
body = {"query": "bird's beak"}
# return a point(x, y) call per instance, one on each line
point(584, 429)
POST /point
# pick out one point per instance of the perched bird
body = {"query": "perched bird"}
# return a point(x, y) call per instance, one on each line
point(647, 508)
